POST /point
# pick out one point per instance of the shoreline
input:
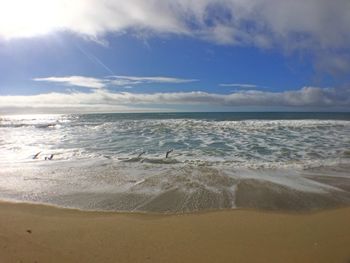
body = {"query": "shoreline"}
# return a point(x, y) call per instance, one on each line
point(186, 192)
point(45, 233)
point(291, 212)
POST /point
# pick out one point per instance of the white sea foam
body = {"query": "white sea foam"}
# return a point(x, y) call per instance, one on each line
point(98, 155)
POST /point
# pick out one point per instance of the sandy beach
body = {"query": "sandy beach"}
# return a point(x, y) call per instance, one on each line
point(37, 233)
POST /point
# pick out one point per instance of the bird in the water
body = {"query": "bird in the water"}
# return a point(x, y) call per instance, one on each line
point(49, 158)
point(167, 153)
point(36, 155)
point(141, 154)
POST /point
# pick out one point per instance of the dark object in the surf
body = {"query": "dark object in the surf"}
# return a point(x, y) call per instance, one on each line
point(29, 231)
point(141, 154)
point(49, 158)
point(36, 155)
point(167, 153)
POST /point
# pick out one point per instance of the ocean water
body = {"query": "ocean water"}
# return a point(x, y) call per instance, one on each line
point(218, 160)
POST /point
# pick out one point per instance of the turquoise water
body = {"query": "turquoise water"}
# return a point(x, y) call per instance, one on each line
point(117, 161)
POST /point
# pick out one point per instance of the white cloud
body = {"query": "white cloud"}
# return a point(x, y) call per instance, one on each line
point(125, 81)
point(298, 23)
point(103, 99)
point(87, 82)
point(135, 80)
point(319, 26)
point(239, 85)
point(27, 18)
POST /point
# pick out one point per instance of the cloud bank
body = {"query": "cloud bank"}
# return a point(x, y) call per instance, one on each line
point(319, 27)
point(306, 97)
point(303, 22)
point(110, 81)
point(264, 23)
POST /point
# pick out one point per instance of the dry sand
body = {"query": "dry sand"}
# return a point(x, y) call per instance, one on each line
point(36, 233)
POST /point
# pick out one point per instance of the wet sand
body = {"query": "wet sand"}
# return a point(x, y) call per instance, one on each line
point(37, 233)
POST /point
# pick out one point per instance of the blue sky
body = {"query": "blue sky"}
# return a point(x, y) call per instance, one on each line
point(174, 55)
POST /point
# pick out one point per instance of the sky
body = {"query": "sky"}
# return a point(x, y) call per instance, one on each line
point(62, 56)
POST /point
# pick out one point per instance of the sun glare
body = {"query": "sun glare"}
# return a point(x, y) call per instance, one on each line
point(21, 18)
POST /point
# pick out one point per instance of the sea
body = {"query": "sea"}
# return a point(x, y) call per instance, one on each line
point(177, 162)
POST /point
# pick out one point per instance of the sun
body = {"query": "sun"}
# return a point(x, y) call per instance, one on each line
point(24, 18)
